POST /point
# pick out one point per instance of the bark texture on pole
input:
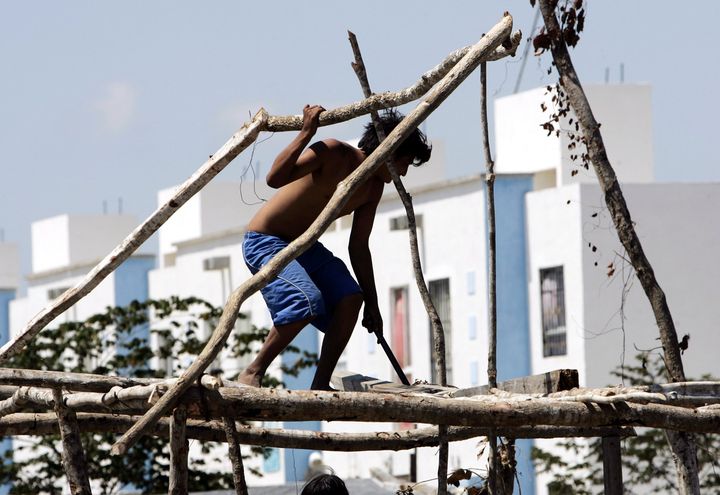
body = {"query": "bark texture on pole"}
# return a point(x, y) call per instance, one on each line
point(179, 447)
point(72, 451)
point(682, 445)
point(235, 456)
point(438, 334)
point(343, 192)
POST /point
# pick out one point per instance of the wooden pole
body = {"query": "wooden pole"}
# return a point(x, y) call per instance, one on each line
point(235, 456)
point(612, 466)
point(212, 431)
point(178, 453)
point(438, 334)
point(683, 445)
point(72, 451)
point(342, 193)
point(492, 307)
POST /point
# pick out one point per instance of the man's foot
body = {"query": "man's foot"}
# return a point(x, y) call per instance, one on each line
point(326, 387)
point(249, 378)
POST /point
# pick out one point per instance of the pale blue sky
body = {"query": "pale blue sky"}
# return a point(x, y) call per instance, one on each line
point(102, 100)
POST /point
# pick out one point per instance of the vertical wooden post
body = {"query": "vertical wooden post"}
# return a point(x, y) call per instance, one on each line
point(612, 466)
point(72, 451)
point(235, 456)
point(438, 334)
point(178, 453)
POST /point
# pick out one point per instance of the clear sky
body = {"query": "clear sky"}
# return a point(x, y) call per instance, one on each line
point(108, 100)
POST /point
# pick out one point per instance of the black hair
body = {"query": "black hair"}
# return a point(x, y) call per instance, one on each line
point(325, 484)
point(415, 145)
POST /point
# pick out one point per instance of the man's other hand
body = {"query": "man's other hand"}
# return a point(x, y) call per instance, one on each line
point(372, 320)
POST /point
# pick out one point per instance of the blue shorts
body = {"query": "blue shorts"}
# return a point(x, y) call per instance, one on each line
point(308, 287)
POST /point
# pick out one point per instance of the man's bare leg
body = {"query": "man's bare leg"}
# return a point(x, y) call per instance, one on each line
point(336, 338)
point(277, 340)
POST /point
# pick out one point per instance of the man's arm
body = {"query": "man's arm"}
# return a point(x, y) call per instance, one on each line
point(290, 165)
point(361, 260)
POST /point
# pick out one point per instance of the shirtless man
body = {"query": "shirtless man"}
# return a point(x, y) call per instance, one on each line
point(317, 287)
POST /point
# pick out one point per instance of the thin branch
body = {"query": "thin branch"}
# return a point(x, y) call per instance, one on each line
point(492, 275)
point(343, 192)
point(438, 334)
point(178, 452)
point(235, 456)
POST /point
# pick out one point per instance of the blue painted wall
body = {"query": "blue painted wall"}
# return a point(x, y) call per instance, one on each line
point(6, 295)
point(513, 334)
point(131, 283)
point(296, 460)
point(131, 280)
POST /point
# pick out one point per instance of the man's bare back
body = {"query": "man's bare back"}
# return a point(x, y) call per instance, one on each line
point(296, 205)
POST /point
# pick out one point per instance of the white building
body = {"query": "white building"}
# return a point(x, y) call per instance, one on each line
point(64, 249)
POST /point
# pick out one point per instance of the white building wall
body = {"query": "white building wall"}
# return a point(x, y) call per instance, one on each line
point(68, 240)
point(64, 249)
point(9, 265)
point(679, 242)
point(554, 238)
point(524, 146)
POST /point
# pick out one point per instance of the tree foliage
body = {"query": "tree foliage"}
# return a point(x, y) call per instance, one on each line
point(118, 342)
point(646, 458)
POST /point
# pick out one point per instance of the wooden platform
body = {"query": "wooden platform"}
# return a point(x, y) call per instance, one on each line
point(545, 383)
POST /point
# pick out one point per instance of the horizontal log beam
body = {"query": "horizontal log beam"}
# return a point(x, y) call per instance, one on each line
point(255, 404)
point(212, 431)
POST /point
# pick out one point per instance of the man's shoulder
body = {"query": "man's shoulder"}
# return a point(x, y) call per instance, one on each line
point(332, 146)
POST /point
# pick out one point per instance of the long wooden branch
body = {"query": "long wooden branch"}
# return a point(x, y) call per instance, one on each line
point(213, 431)
point(438, 334)
point(236, 144)
point(682, 445)
point(301, 405)
point(73, 457)
point(343, 192)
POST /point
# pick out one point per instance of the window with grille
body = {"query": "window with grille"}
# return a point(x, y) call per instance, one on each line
point(440, 295)
point(552, 303)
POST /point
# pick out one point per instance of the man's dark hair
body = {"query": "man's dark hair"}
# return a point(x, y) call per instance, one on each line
point(415, 145)
point(325, 484)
